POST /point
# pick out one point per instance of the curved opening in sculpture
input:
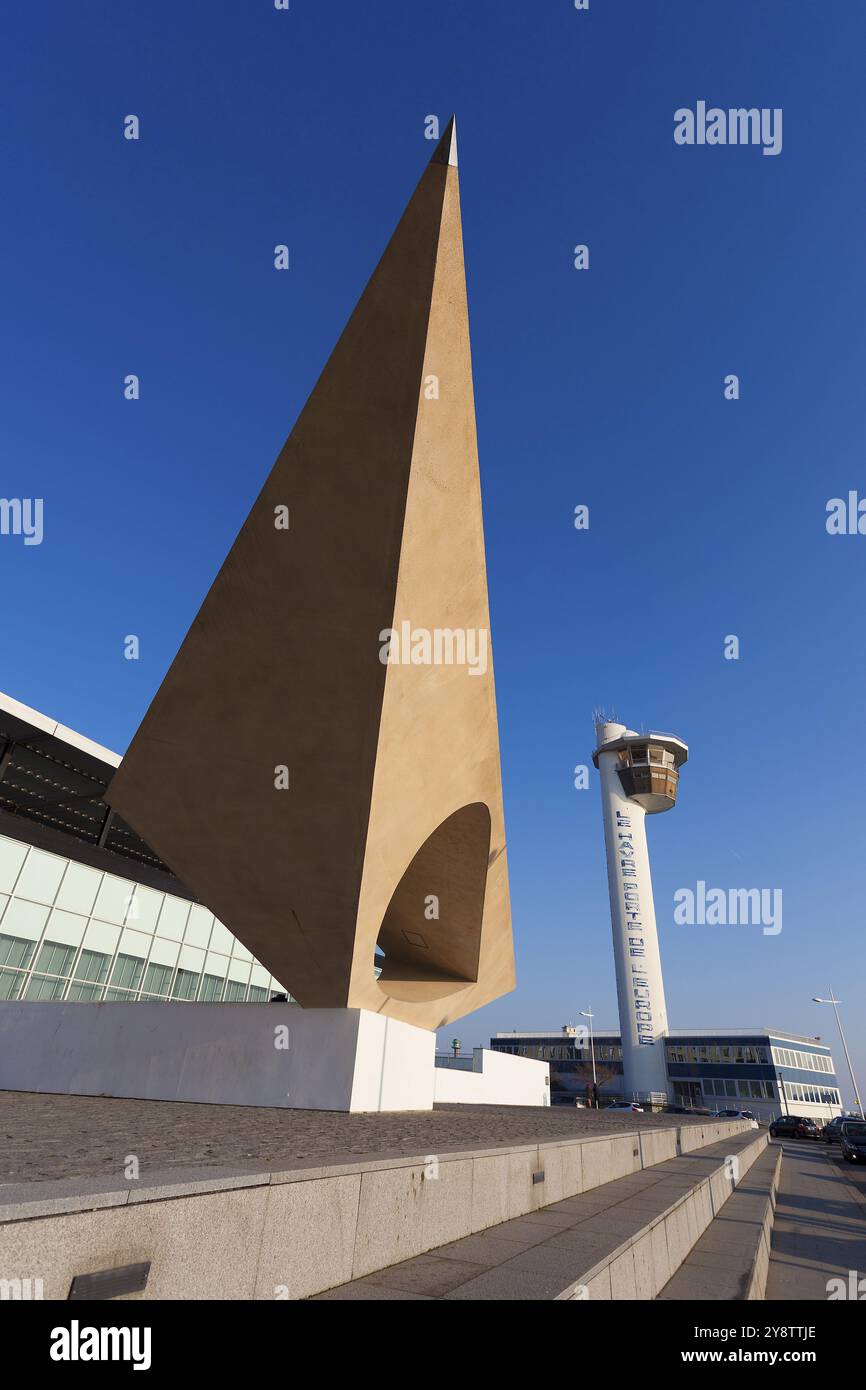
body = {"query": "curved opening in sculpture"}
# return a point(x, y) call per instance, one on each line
point(430, 937)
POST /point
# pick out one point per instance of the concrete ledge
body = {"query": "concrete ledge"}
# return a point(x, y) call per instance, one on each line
point(731, 1260)
point(292, 1234)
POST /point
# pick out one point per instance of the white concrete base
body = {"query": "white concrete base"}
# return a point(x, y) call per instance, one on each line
point(495, 1078)
point(226, 1054)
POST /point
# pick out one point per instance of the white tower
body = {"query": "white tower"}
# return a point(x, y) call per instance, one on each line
point(639, 776)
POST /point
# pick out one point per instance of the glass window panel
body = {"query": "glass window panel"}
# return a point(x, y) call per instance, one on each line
point(79, 889)
point(16, 951)
point(93, 966)
point(54, 959)
point(127, 972)
point(157, 979)
point(12, 855)
point(258, 995)
point(44, 987)
point(211, 989)
point(185, 984)
point(10, 983)
point(82, 994)
point(113, 900)
point(235, 992)
point(40, 877)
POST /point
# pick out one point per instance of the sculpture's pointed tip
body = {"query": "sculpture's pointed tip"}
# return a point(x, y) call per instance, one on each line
point(446, 151)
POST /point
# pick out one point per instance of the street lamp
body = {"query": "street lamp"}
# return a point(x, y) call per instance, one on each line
point(587, 1013)
point(834, 1001)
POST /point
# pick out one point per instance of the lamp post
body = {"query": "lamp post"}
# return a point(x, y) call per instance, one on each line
point(587, 1013)
point(834, 1001)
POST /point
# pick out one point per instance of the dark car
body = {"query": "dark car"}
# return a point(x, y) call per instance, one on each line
point(853, 1141)
point(832, 1131)
point(794, 1127)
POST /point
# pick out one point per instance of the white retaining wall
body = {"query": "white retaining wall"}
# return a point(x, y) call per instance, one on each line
point(496, 1078)
point(228, 1054)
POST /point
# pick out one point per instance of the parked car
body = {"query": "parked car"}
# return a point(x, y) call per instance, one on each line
point(625, 1105)
point(794, 1127)
point(831, 1133)
point(853, 1141)
point(739, 1115)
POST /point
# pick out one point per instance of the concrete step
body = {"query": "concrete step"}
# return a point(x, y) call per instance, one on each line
point(621, 1240)
point(731, 1259)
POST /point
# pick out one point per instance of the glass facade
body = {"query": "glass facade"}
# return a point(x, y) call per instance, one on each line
point(68, 931)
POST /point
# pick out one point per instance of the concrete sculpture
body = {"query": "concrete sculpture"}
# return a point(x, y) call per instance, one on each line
point(321, 763)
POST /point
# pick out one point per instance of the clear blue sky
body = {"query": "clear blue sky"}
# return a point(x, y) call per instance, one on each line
point(602, 387)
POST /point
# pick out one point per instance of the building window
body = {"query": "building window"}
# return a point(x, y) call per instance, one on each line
point(83, 994)
point(53, 964)
point(126, 974)
point(235, 992)
point(185, 985)
point(44, 987)
point(156, 981)
point(11, 982)
point(16, 952)
point(92, 966)
point(54, 958)
point(211, 989)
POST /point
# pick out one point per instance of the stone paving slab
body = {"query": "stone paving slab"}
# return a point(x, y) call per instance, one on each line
point(819, 1233)
point(540, 1255)
point(47, 1138)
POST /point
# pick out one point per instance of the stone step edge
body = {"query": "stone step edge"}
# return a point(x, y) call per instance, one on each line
point(755, 1257)
point(26, 1201)
point(719, 1184)
point(757, 1287)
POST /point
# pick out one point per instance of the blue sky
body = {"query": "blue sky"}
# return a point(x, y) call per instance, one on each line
point(603, 387)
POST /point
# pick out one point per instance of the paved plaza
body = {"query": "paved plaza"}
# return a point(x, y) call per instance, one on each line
point(46, 1137)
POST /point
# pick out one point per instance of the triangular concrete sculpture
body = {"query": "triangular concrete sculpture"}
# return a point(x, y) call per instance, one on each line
point(390, 830)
